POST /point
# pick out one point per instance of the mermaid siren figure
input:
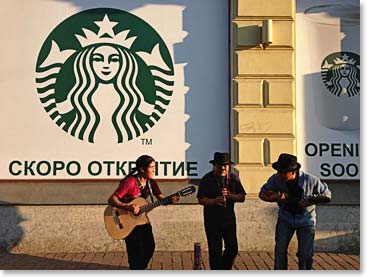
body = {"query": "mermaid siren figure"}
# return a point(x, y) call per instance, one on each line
point(106, 100)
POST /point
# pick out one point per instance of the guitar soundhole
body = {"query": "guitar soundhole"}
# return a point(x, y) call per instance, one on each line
point(135, 216)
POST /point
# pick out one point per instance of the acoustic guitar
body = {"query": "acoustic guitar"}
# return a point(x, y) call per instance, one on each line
point(120, 222)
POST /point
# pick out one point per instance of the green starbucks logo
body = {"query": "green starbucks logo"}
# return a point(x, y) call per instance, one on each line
point(340, 73)
point(104, 71)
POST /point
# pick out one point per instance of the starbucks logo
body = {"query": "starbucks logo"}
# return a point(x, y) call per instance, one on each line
point(340, 74)
point(104, 71)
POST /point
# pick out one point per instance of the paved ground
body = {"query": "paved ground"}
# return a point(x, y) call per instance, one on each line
point(164, 261)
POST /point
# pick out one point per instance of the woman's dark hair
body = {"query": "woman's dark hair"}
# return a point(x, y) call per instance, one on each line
point(142, 162)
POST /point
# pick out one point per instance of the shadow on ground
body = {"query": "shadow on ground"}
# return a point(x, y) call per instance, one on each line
point(9, 261)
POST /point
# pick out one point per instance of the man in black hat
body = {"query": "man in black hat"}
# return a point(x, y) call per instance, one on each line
point(297, 194)
point(218, 191)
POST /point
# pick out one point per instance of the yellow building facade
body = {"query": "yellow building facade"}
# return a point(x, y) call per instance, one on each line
point(263, 99)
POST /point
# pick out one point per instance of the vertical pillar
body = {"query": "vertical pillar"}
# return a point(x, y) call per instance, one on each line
point(263, 100)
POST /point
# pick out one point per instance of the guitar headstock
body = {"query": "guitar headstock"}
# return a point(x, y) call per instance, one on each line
point(187, 191)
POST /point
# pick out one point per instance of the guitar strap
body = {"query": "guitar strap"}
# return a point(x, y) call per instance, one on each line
point(141, 188)
point(150, 190)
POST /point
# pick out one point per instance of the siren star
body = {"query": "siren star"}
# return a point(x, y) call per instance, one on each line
point(345, 57)
point(106, 26)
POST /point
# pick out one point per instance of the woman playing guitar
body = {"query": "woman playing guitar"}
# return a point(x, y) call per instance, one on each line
point(138, 183)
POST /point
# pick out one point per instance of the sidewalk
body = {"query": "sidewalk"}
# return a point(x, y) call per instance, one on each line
point(164, 261)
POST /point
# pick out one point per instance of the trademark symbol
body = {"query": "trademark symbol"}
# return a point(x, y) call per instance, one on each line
point(145, 141)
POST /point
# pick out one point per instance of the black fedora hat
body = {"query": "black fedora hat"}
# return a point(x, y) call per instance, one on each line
point(221, 158)
point(286, 163)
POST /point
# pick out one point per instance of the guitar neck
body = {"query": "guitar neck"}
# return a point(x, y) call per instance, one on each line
point(164, 201)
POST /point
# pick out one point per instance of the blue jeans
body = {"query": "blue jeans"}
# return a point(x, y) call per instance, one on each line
point(305, 236)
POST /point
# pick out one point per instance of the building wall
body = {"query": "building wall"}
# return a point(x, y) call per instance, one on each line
point(58, 226)
point(32, 229)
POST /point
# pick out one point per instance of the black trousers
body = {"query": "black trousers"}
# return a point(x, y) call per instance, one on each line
point(216, 233)
point(140, 246)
